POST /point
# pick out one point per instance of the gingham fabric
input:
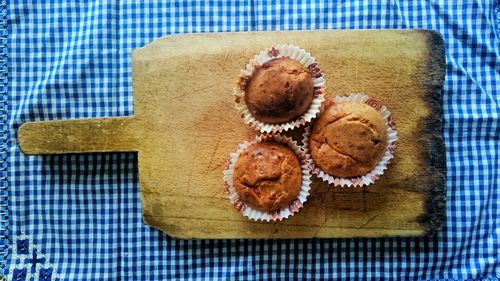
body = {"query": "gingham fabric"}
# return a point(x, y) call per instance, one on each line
point(78, 217)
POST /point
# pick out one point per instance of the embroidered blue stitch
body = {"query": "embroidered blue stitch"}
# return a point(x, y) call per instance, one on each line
point(34, 260)
point(20, 274)
point(28, 262)
point(496, 15)
point(22, 246)
point(4, 214)
point(45, 274)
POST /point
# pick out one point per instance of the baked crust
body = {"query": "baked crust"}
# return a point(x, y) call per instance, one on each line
point(267, 176)
point(348, 139)
point(279, 91)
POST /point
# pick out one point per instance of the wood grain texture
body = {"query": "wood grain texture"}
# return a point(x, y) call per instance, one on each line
point(78, 135)
point(185, 126)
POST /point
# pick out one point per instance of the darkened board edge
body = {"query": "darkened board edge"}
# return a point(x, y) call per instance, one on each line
point(435, 158)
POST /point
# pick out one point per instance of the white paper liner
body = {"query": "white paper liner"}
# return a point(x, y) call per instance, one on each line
point(277, 215)
point(274, 52)
point(378, 170)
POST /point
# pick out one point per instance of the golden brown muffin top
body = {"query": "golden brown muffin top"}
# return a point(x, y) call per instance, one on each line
point(348, 139)
point(279, 91)
point(267, 176)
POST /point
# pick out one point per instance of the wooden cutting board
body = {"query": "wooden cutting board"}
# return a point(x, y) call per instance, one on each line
point(184, 127)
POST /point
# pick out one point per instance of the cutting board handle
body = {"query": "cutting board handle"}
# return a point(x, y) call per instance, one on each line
point(113, 134)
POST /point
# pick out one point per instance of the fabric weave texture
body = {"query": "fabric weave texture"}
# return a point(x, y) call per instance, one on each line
point(78, 217)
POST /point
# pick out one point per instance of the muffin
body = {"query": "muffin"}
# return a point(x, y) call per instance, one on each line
point(279, 91)
point(267, 176)
point(348, 139)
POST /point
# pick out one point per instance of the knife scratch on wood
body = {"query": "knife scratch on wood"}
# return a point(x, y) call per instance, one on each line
point(367, 222)
point(213, 155)
point(191, 93)
point(189, 178)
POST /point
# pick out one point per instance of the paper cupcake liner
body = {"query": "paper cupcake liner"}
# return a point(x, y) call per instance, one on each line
point(378, 170)
point(279, 51)
point(277, 215)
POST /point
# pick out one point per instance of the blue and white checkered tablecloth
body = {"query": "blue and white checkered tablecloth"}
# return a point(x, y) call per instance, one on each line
point(78, 217)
